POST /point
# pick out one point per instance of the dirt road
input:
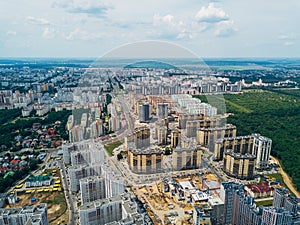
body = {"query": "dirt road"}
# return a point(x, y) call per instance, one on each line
point(287, 180)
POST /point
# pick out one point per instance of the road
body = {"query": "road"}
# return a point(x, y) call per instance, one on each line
point(68, 195)
point(287, 180)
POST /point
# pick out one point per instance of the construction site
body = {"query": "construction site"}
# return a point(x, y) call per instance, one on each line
point(172, 204)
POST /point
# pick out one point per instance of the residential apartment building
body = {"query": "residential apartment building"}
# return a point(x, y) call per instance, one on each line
point(27, 215)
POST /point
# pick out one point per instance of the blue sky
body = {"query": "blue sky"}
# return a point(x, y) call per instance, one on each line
point(90, 28)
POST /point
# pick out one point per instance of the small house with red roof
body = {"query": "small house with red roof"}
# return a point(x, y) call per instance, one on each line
point(14, 162)
point(262, 190)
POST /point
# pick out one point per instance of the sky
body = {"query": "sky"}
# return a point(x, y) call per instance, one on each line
point(92, 28)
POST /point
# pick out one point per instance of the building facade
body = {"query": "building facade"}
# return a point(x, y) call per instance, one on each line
point(254, 144)
point(27, 215)
point(186, 158)
point(145, 161)
point(96, 188)
point(162, 110)
point(144, 112)
point(239, 165)
point(78, 172)
point(208, 136)
point(101, 212)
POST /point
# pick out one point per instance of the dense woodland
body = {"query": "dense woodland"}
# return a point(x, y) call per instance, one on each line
point(272, 113)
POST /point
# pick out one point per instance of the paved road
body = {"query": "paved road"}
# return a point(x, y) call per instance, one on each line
point(68, 195)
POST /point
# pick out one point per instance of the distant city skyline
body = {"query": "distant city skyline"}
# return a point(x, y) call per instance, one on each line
point(91, 28)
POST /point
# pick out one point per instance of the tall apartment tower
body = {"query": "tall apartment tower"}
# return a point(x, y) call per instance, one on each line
point(144, 112)
point(175, 138)
point(239, 165)
point(27, 215)
point(283, 199)
point(162, 110)
point(96, 188)
point(162, 135)
point(276, 216)
point(186, 158)
point(102, 211)
point(262, 149)
point(208, 136)
point(80, 172)
point(253, 144)
point(227, 194)
point(92, 189)
point(141, 137)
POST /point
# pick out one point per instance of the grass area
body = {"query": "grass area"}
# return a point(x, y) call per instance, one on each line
point(264, 203)
point(277, 176)
point(59, 199)
point(272, 113)
point(110, 147)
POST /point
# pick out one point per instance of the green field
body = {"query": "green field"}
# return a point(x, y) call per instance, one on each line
point(273, 113)
point(110, 147)
point(264, 203)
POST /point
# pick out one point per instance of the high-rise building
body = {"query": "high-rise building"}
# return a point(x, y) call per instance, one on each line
point(239, 208)
point(283, 199)
point(145, 161)
point(78, 172)
point(201, 216)
point(254, 144)
point(141, 137)
point(280, 195)
point(162, 110)
point(96, 188)
point(183, 118)
point(27, 215)
point(144, 112)
point(81, 153)
point(175, 138)
point(162, 135)
point(239, 165)
point(227, 194)
point(208, 136)
point(262, 150)
point(186, 158)
point(87, 156)
point(217, 212)
point(102, 212)
point(276, 216)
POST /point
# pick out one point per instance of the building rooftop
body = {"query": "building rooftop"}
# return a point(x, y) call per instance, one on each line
point(260, 188)
point(186, 185)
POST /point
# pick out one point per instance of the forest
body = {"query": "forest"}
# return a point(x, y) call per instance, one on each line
point(272, 113)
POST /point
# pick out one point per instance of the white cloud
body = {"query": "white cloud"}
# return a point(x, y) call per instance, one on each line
point(225, 29)
point(93, 8)
point(168, 27)
point(79, 34)
point(288, 43)
point(211, 14)
point(287, 39)
point(167, 19)
point(37, 21)
point(290, 36)
point(11, 33)
point(48, 33)
point(283, 37)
